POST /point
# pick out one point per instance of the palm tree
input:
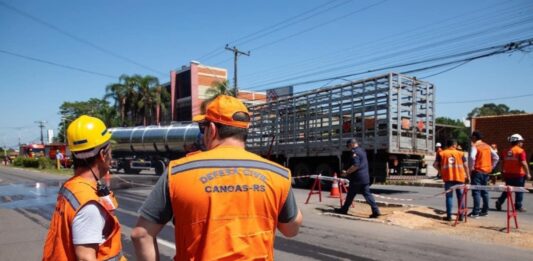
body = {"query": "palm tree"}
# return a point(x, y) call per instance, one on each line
point(125, 96)
point(219, 88)
point(145, 103)
point(161, 98)
point(118, 92)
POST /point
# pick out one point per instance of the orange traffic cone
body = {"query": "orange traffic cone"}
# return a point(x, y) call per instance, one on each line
point(335, 193)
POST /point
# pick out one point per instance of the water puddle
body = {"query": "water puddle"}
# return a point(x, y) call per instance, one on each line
point(28, 195)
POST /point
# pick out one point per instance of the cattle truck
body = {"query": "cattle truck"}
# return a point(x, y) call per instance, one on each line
point(392, 117)
point(152, 147)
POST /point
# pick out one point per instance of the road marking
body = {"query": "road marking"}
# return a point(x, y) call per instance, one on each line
point(159, 240)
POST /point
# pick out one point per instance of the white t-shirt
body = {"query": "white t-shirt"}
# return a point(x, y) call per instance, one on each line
point(88, 225)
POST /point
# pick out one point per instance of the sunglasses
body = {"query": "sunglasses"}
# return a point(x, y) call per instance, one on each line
point(203, 126)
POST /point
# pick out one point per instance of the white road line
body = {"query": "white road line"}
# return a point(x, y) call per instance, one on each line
point(159, 240)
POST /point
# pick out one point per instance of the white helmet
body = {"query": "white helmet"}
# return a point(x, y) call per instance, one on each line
point(515, 137)
point(438, 145)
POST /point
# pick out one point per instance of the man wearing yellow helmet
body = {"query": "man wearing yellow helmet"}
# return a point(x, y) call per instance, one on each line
point(83, 226)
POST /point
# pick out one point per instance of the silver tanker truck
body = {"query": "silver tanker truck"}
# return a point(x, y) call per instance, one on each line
point(152, 147)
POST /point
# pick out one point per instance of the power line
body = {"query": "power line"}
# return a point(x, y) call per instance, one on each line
point(396, 52)
point(77, 38)
point(491, 99)
point(276, 27)
point(392, 43)
point(318, 25)
point(57, 64)
point(236, 53)
point(510, 47)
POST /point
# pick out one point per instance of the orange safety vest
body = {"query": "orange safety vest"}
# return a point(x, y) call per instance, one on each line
point(226, 203)
point(452, 165)
point(73, 195)
point(512, 164)
point(483, 161)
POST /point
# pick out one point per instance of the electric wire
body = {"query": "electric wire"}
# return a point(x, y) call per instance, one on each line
point(511, 10)
point(58, 64)
point(77, 38)
point(274, 28)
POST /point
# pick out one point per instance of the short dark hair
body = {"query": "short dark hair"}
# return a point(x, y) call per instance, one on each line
point(83, 163)
point(477, 135)
point(351, 141)
point(225, 131)
point(451, 142)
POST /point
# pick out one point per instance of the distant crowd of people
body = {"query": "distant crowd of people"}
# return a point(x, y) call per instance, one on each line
point(480, 169)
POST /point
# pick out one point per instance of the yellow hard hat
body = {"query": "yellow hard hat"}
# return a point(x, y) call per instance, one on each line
point(86, 135)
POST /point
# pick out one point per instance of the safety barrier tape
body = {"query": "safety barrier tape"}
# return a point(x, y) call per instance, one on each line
point(500, 188)
point(131, 182)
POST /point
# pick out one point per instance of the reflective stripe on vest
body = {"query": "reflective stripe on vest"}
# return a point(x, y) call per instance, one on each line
point(69, 196)
point(202, 164)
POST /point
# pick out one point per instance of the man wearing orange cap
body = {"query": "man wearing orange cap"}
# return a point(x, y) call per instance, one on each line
point(226, 202)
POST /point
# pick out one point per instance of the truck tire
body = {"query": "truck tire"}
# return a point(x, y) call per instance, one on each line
point(159, 167)
point(301, 169)
point(128, 170)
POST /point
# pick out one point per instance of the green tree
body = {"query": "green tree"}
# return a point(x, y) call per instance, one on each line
point(147, 96)
point(161, 99)
point(219, 88)
point(461, 133)
point(490, 109)
point(95, 107)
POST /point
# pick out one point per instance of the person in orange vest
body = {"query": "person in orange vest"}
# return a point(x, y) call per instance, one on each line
point(482, 160)
point(453, 166)
point(83, 225)
point(225, 202)
point(515, 171)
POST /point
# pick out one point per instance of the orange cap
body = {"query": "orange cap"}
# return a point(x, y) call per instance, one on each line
point(222, 110)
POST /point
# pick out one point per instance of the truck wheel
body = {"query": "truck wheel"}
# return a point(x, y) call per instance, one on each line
point(128, 170)
point(159, 167)
point(301, 169)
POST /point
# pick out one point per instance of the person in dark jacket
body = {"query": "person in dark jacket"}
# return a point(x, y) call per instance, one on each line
point(359, 178)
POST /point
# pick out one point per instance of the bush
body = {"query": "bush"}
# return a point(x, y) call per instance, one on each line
point(19, 162)
point(45, 163)
point(41, 163)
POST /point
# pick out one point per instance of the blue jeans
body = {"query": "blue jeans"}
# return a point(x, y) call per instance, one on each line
point(515, 182)
point(480, 178)
point(363, 189)
point(449, 196)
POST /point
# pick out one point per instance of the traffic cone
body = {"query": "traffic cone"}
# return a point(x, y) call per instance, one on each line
point(335, 193)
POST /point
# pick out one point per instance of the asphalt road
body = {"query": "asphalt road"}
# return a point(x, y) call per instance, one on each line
point(322, 237)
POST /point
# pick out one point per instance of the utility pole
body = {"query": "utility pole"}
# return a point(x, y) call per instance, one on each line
point(236, 53)
point(41, 125)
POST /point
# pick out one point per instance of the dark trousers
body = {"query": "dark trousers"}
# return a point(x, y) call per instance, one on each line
point(480, 178)
point(362, 189)
point(519, 196)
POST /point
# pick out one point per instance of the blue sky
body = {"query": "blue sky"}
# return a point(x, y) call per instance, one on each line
point(323, 39)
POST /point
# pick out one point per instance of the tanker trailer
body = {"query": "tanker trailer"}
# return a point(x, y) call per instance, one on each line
point(152, 147)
